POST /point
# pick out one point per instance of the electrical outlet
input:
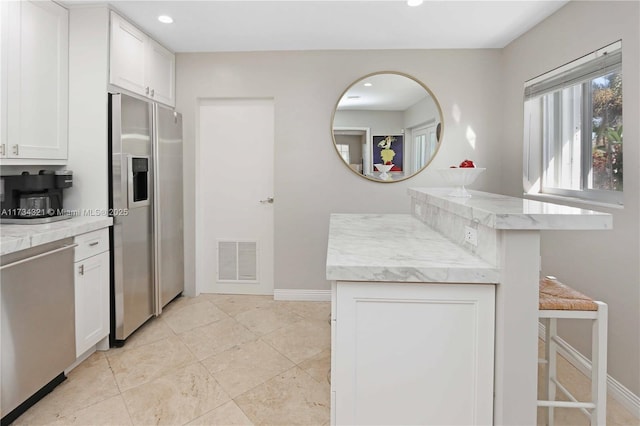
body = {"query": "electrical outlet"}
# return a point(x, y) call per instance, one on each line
point(417, 210)
point(471, 236)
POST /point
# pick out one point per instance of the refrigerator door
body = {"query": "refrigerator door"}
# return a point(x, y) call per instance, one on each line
point(168, 207)
point(131, 202)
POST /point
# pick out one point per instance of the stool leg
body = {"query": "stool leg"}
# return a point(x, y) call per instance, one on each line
point(545, 380)
point(551, 349)
point(599, 366)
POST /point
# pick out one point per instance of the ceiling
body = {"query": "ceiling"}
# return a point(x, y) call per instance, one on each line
point(383, 92)
point(264, 25)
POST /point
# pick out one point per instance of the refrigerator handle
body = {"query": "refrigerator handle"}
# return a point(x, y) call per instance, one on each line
point(157, 215)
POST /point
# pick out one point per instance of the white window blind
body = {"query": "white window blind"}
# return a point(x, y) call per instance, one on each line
point(600, 62)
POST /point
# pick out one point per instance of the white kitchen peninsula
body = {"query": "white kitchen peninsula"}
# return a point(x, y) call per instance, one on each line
point(420, 317)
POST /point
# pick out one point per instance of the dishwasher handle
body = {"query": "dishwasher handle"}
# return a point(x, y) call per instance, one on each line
point(37, 256)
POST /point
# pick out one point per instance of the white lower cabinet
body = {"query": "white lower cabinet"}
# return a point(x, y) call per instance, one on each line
point(91, 289)
point(412, 353)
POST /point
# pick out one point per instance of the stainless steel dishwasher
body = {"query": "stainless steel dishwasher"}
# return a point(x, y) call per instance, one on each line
point(38, 323)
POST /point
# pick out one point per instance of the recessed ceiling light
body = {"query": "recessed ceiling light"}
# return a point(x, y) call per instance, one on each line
point(414, 2)
point(368, 85)
point(165, 19)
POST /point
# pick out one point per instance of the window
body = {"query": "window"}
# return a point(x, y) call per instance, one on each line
point(573, 129)
point(343, 149)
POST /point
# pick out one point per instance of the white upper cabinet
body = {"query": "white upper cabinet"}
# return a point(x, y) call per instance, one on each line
point(127, 56)
point(160, 73)
point(35, 52)
point(139, 64)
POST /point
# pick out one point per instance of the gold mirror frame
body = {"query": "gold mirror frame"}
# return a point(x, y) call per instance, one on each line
point(373, 176)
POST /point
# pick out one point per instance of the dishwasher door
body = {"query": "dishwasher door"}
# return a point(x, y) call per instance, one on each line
point(38, 319)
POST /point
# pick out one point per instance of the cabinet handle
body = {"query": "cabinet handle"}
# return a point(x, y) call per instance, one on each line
point(81, 269)
point(16, 149)
point(37, 256)
point(146, 90)
point(2, 150)
point(95, 243)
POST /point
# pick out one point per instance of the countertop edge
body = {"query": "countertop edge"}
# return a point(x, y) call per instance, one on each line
point(478, 210)
point(14, 238)
point(346, 262)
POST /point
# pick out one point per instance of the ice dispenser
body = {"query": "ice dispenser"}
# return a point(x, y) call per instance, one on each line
point(139, 181)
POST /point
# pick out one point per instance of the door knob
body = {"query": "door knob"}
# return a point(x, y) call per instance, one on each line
point(269, 200)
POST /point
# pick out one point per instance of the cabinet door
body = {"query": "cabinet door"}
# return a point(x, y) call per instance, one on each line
point(414, 354)
point(127, 56)
point(92, 301)
point(37, 72)
point(4, 37)
point(161, 68)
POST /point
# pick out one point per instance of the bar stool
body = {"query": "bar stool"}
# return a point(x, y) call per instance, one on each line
point(558, 301)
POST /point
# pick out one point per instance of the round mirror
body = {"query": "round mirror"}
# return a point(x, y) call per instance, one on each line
point(387, 126)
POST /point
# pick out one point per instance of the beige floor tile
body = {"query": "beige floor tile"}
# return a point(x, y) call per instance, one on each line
point(302, 340)
point(109, 412)
point(245, 366)
point(311, 310)
point(168, 376)
point(217, 337)
point(145, 363)
point(228, 414)
point(192, 315)
point(318, 366)
point(180, 302)
point(152, 331)
point(89, 383)
point(175, 398)
point(236, 304)
point(267, 318)
point(290, 398)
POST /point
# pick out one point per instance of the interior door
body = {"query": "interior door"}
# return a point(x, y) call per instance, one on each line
point(234, 215)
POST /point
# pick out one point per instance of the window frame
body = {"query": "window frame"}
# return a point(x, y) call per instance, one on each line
point(535, 158)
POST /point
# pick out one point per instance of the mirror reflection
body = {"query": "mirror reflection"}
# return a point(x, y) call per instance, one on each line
point(387, 127)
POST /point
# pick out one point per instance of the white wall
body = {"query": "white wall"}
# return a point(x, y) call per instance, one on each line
point(88, 108)
point(604, 265)
point(421, 112)
point(380, 122)
point(310, 179)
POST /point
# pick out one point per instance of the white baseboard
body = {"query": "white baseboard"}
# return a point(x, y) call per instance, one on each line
point(615, 389)
point(302, 295)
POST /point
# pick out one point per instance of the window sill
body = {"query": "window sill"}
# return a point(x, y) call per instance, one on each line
point(571, 200)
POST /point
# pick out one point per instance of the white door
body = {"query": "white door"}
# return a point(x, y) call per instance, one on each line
point(234, 216)
point(424, 146)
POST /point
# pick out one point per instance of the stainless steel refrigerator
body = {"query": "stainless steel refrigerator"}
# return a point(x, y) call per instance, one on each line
point(145, 200)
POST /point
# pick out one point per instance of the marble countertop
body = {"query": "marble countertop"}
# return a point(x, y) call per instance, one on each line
point(398, 247)
point(503, 212)
point(20, 237)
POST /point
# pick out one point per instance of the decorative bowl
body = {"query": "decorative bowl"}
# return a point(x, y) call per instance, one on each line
point(460, 177)
point(383, 169)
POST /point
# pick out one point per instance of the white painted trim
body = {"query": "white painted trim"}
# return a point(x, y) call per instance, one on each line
point(615, 389)
point(302, 295)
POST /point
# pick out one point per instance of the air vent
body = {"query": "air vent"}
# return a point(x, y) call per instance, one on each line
point(238, 261)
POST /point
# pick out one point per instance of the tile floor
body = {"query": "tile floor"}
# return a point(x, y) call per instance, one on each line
point(221, 360)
